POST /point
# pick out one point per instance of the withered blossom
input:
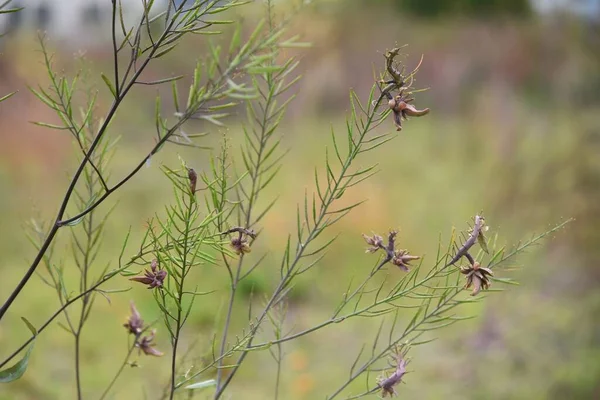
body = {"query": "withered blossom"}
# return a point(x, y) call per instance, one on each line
point(402, 259)
point(375, 241)
point(240, 243)
point(388, 384)
point(134, 323)
point(154, 278)
point(145, 344)
point(402, 109)
point(193, 177)
point(400, 103)
point(135, 326)
point(477, 276)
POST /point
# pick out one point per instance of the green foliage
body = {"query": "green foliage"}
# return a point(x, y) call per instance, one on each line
point(16, 371)
point(476, 8)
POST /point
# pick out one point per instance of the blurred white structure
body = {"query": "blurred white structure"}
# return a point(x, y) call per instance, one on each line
point(72, 21)
point(586, 8)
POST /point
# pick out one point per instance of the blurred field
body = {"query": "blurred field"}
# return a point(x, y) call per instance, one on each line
point(514, 131)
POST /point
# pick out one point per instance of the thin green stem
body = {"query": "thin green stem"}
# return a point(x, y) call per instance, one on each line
point(330, 198)
point(185, 250)
point(443, 307)
point(252, 197)
point(278, 374)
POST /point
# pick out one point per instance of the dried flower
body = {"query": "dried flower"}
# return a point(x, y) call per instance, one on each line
point(145, 344)
point(153, 278)
point(240, 243)
point(402, 259)
point(193, 176)
point(134, 323)
point(400, 104)
point(477, 276)
point(387, 384)
point(375, 241)
point(402, 109)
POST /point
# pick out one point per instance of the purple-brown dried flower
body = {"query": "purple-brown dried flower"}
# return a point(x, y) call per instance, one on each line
point(402, 109)
point(145, 344)
point(388, 384)
point(477, 276)
point(134, 323)
point(153, 278)
point(400, 104)
point(375, 241)
point(193, 177)
point(240, 243)
point(402, 259)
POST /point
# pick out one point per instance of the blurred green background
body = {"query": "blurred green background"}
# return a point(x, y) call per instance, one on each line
point(514, 131)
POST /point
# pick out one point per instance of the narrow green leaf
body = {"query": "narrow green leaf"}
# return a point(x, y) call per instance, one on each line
point(496, 256)
point(483, 242)
point(164, 80)
point(51, 126)
point(44, 99)
point(263, 69)
point(235, 39)
point(165, 51)
point(7, 96)
point(201, 385)
point(30, 326)
point(508, 281)
point(11, 10)
point(109, 85)
point(75, 221)
point(16, 371)
point(108, 291)
point(291, 43)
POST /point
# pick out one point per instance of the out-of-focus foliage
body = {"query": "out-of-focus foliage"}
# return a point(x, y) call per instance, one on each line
point(452, 8)
point(441, 8)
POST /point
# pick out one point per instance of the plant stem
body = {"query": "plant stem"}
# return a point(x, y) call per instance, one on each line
point(189, 218)
point(174, 356)
point(437, 311)
point(407, 332)
point(77, 361)
point(278, 375)
point(331, 197)
point(254, 174)
point(63, 206)
point(227, 324)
